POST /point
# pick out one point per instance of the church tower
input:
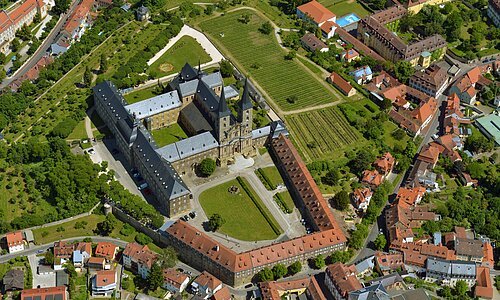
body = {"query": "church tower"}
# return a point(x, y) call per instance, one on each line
point(245, 109)
point(224, 120)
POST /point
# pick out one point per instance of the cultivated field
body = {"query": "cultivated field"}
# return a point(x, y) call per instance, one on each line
point(243, 219)
point(263, 59)
point(322, 133)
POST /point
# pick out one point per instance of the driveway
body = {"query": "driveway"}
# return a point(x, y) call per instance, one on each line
point(40, 280)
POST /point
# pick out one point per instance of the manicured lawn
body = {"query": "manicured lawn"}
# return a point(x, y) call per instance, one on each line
point(142, 94)
point(261, 57)
point(288, 199)
point(273, 175)
point(187, 49)
point(79, 132)
point(243, 219)
point(168, 135)
point(322, 133)
point(342, 8)
point(50, 234)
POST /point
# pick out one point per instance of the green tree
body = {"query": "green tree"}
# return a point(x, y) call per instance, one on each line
point(87, 77)
point(461, 288)
point(332, 177)
point(341, 200)
point(108, 225)
point(319, 262)
point(279, 270)
point(361, 161)
point(380, 242)
point(292, 99)
point(142, 239)
point(49, 257)
point(206, 167)
point(294, 268)
point(403, 70)
point(266, 28)
point(244, 18)
point(3, 74)
point(215, 222)
point(155, 277)
point(386, 104)
point(168, 257)
point(290, 55)
point(103, 67)
point(226, 68)
point(265, 274)
point(15, 45)
point(61, 6)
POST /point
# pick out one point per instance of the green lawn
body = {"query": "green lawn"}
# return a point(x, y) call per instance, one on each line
point(187, 49)
point(288, 199)
point(79, 132)
point(168, 135)
point(142, 94)
point(322, 134)
point(243, 219)
point(273, 175)
point(342, 8)
point(262, 58)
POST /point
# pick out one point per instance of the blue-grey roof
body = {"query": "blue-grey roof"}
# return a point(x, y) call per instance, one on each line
point(277, 128)
point(452, 268)
point(188, 88)
point(166, 175)
point(372, 292)
point(56, 49)
point(77, 256)
point(365, 264)
point(260, 132)
point(155, 105)
point(188, 147)
point(463, 268)
point(213, 79)
point(436, 237)
point(230, 92)
point(438, 265)
point(386, 280)
point(363, 71)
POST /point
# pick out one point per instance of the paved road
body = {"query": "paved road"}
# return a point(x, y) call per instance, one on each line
point(42, 50)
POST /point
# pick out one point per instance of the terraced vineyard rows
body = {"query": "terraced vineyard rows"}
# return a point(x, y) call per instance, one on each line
point(263, 59)
point(322, 132)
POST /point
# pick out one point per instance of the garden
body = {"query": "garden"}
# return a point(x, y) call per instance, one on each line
point(287, 82)
point(245, 215)
point(168, 135)
point(323, 133)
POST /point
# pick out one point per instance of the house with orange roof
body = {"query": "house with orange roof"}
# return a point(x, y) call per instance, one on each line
point(222, 294)
point(484, 288)
point(206, 284)
point(82, 252)
point(58, 292)
point(451, 144)
point(349, 55)
point(385, 164)
point(372, 178)
point(361, 198)
point(453, 117)
point(416, 120)
point(340, 280)
point(104, 283)
point(97, 263)
point(107, 250)
point(13, 20)
point(174, 281)
point(388, 263)
point(315, 13)
point(430, 153)
point(340, 83)
point(467, 87)
point(488, 259)
point(15, 241)
point(63, 252)
point(275, 290)
point(410, 197)
point(139, 259)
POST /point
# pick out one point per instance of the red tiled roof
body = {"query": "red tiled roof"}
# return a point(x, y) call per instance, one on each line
point(271, 290)
point(84, 247)
point(372, 177)
point(409, 196)
point(208, 280)
point(488, 260)
point(96, 261)
point(484, 288)
point(385, 163)
point(328, 26)
point(361, 194)
point(174, 277)
point(140, 253)
point(106, 249)
point(63, 249)
point(43, 293)
point(222, 294)
point(340, 82)
point(460, 231)
point(389, 261)
point(344, 278)
point(15, 16)
point(14, 238)
point(316, 11)
point(430, 153)
point(105, 278)
point(79, 14)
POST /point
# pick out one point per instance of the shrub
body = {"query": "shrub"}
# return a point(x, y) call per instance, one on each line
point(143, 239)
point(206, 167)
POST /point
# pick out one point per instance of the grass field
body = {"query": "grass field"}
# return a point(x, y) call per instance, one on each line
point(187, 49)
point(288, 199)
point(141, 94)
point(263, 59)
point(342, 8)
point(168, 135)
point(243, 219)
point(79, 132)
point(322, 133)
point(273, 175)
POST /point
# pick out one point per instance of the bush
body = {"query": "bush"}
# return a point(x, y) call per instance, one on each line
point(266, 28)
point(64, 128)
point(206, 167)
point(127, 229)
point(143, 239)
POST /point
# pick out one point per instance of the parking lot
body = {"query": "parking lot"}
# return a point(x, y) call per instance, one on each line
point(41, 281)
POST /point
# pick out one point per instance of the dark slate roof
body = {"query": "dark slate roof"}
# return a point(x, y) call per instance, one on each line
point(13, 280)
point(208, 99)
point(223, 108)
point(195, 118)
point(277, 128)
point(188, 73)
point(373, 292)
point(166, 175)
point(245, 102)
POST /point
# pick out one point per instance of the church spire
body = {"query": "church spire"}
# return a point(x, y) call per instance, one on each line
point(223, 109)
point(245, 102)
point(199, 68)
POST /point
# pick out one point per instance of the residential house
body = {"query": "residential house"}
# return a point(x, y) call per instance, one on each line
point(310, 42)
point(372, 292)
point(484, 288)
point(385, 164)
point(82, 252)
point(56, 293)
point(447, 272)
point(349, 55)
point(453, 118)
point(206, 284)
point(361, 198)
point(340, 280)
point(416, 120)
point(77, 23)
point(372, 178)
point(430, 153)
point(465, 87)
point(97, 263)
point(469, 250)
point(174, 281)
point(362, 75)
point(139, 259)
point(390, 282)
point(13, 280)
point(106, 250)
point(15, 241)
point(388, 263)
point(343, 85)
point(432, 81)
point(104, 283)
point(410, 197)
point(142, 13)
point(306, 288)
point(222, 294)
point(451, 143)
point(365, 267)
point(318, 15)
point(62, 254)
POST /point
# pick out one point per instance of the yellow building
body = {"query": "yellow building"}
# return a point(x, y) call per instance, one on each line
point(416, 6)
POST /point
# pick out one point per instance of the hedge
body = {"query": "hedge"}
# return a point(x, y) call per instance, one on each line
point(276, 228)
point(265, 180)
point(282, 204)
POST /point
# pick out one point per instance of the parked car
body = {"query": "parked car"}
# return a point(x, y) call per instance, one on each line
point(143, 186)
point(192, 214)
